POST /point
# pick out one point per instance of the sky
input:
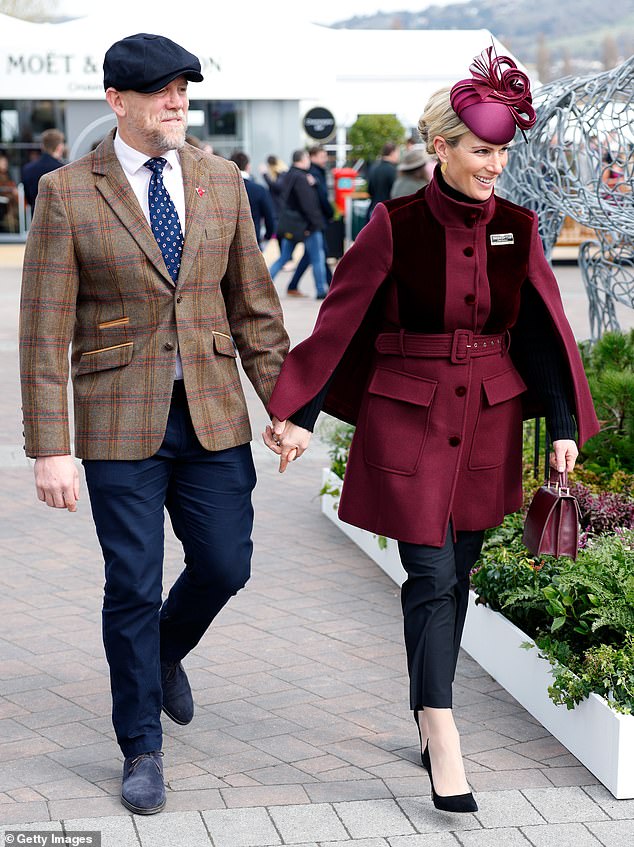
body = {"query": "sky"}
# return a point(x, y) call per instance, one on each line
point(323, 11)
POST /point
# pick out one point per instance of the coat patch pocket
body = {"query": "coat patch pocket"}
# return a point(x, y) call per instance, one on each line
point(397, 420)
point(124, 321)
point(499, 420)
point(105, 358)
point(223, 344)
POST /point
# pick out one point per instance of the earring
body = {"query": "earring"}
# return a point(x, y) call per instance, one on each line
point(443, 168)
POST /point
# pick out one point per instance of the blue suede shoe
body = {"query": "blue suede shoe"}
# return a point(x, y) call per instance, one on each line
point(143, 789)
point(178, 703)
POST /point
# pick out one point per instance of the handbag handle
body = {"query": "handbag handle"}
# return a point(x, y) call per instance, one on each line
point(558, 480)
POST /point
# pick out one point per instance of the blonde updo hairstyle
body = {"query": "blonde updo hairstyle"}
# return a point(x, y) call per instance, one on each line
point(439, 118)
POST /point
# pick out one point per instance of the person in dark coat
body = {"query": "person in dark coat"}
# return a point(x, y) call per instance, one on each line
point(382, 175)
point(259, 200)
point(317, 170)
point(299, 194)
point(50, 160)
point(443, 329)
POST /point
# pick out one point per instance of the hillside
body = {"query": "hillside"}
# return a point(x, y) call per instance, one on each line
point(568, 35)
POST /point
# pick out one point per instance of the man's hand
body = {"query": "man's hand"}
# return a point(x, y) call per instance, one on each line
point(57, 481)
point(287, 440)
point(564, 455)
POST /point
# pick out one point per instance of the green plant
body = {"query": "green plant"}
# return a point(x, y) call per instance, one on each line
point(581, 614)
point(601, 587)
point(338, 437)
point(609, 365)
point(605, 670)
point(368, 134)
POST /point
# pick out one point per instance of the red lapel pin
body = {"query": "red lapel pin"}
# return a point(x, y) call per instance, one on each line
point(200, 191)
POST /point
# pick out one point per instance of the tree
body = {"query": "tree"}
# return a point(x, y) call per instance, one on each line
point(610, 52)
point(567, 69)
point(543, 59)
point(29, 10)
point(369, 133)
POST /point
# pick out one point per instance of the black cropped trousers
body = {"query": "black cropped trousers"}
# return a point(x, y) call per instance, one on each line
point(434, 598)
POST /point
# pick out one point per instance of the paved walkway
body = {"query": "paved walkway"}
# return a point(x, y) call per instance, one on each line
point(302, 734)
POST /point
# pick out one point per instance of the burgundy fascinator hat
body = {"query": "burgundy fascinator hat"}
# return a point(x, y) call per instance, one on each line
point(496, 100)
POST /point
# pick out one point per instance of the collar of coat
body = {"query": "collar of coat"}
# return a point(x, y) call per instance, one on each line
point(453, 213)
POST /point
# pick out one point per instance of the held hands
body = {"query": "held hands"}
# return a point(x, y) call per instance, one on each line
point(286, 439)
point(57, 481)
point(564, 455)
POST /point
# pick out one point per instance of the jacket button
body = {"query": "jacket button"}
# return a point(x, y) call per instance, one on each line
point(179, 299)
point(168, 346)
point(470, 299)
point(454, 441)
point(461, 391)
point(468, 251)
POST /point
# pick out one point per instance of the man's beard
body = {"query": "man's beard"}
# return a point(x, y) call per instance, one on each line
point(163, 137)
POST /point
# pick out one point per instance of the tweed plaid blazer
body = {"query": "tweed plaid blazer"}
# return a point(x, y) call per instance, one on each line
point(94, 281)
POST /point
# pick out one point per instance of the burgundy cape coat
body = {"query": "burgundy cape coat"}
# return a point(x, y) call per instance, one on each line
point(437, 439)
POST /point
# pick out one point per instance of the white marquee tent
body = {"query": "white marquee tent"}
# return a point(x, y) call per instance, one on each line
point(350, 72)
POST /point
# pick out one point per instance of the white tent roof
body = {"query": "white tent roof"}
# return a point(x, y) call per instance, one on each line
point(349, 71)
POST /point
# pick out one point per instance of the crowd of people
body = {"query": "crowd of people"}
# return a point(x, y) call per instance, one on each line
point(305, 187)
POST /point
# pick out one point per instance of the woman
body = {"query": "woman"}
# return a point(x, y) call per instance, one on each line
point(443, 328)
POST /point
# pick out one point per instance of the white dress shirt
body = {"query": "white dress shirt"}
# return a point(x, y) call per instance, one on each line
point(133, 164)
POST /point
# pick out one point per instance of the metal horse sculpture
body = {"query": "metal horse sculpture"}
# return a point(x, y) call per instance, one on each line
point(579, 162)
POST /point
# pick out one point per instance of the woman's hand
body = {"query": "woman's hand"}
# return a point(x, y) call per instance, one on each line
point(564, 455)
point(286, 439)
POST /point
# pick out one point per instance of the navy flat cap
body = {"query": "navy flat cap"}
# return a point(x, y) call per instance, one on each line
point(147, 63)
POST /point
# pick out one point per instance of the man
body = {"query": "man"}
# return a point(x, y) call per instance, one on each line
point(317, 169)
point(142, 256)
point(259, 199)
point(52, 144)
point(382, 175)
point(299, 195)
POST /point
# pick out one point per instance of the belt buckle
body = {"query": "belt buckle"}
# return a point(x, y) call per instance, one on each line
point(461, 346)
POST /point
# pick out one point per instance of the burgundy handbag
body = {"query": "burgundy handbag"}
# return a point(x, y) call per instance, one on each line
point(551, 527)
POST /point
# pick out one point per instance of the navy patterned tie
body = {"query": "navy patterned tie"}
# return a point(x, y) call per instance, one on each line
point(164, 218)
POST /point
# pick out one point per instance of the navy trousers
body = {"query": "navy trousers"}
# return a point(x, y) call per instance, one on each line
point(208, 498)
point(434, 598)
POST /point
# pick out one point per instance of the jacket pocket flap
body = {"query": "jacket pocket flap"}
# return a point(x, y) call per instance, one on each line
point(106, 358)
point(503, 386)
point(223, 344)
point(402, 386)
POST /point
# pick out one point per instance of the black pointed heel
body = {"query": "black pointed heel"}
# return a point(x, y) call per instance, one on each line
point(425, 760)
point(424, 754)
point(449, 802)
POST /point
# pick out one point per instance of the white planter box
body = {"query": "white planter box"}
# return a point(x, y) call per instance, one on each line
point(602, 739)
point(387, 559)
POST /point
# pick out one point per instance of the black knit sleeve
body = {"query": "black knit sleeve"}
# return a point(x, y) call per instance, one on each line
point(306, 417)
point(539, 360)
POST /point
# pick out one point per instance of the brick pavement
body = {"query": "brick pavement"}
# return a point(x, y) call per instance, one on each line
point(302, 733)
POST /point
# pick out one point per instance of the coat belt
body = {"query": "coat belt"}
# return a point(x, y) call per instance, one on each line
point(459, 346)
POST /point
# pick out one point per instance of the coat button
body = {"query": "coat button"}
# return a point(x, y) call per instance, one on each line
point(454, 441)
point(468, 251)
point(179, 299)
point(461, 391)
point(168, 346)
point(470, 299)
